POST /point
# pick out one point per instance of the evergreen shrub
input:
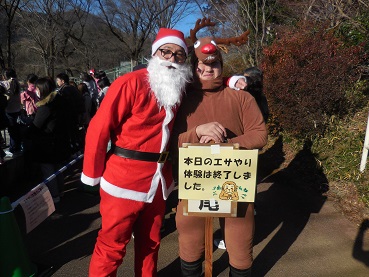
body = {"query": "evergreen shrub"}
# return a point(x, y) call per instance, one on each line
point(309, 79)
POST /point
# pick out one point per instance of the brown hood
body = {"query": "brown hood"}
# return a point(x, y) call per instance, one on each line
point(207, 51)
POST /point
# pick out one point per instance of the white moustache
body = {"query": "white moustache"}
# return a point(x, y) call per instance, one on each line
point(168, 64)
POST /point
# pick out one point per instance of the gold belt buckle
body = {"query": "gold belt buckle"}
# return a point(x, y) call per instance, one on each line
point(163, 157)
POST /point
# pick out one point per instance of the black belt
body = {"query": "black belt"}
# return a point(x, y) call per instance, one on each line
point(142, 156)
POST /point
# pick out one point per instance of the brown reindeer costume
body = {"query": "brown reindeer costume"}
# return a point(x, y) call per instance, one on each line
point(210, 101)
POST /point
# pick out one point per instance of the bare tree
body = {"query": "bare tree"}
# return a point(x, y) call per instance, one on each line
point(337, 12)
point(43, 31)
point(237, 16)
point(72, 17)
point(9, 8)
point(173, 12)
point(350, 17)
point(2, 39)
point(133, 22)
point(55, 27)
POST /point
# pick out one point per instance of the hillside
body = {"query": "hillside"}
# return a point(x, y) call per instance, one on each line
point(329, 167)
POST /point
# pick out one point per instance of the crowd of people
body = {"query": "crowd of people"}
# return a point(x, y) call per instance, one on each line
point(146, 113)
point(47, 119)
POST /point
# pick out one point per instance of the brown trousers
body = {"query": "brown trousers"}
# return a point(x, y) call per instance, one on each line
point(238, 235)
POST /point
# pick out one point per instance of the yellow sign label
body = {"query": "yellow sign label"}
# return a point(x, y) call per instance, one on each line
point(217, 172)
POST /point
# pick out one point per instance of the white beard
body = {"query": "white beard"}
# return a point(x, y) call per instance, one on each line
point(168, 83)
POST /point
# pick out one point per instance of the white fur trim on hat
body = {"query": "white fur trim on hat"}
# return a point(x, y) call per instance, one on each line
point(169, 36)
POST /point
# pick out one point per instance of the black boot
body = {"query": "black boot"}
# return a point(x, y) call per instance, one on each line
point(234, 272)
point(191, 269)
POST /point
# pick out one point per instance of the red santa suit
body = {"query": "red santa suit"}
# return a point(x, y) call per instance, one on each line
point(132, 191)
point(137, 123)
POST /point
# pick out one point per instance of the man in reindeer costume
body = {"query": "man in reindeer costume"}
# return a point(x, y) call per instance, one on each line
point(137, 116)
point(211, 112)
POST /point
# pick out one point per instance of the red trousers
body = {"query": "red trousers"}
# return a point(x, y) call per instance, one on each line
point(238, 236)
point(121, 217)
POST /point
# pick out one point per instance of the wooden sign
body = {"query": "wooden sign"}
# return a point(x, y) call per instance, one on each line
point(212, 179)
point(217, 172)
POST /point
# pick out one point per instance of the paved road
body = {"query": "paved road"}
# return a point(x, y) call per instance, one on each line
point(298, 233)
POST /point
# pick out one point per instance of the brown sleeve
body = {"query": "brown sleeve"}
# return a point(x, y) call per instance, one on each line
point(255, 133)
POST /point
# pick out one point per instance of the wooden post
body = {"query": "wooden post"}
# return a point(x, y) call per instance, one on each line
point(208, 246)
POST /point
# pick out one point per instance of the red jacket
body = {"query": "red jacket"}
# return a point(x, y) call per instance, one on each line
point(130, 117)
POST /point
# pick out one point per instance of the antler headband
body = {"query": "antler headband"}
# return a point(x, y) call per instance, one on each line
point(207, 49)
point(205, 22)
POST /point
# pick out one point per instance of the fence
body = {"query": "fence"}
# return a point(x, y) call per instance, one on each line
point(124, 67)
point(114, 73)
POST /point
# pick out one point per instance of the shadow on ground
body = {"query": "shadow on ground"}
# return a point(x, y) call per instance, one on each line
point(358, 251)
point(284, 203)
point(64, 235)
point(285, 200)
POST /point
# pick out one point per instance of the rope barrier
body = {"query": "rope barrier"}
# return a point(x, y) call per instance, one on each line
point(6, 212)
point(47, 180)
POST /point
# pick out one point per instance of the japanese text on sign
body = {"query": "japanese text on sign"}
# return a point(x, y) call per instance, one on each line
point(226, 174)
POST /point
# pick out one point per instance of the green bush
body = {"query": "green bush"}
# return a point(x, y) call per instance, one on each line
point(309, 78)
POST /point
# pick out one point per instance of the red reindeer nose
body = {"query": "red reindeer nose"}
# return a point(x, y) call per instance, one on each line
point(209, 49)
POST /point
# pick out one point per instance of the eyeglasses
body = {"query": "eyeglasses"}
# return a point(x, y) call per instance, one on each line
point(180, 57)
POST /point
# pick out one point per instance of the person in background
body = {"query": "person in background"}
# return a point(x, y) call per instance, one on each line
point(91, 85)
point(137, 116)
point(29, 97)
point(104, 85)
point(13, 108)
point(72, 83)
point(96, 76)
point(92, 72)
point(212, 113)
point(3, 120)
point(92, 88)
point(2, 140)
point(100, 74)
point(85, 117)
point(139, 66)
point(75, 102)
point(254, 80)
point(49, 134)
point(68, 91)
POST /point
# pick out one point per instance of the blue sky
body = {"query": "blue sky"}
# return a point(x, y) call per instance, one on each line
point(188, 22)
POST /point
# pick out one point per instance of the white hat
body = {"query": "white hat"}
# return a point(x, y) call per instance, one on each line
point(166, 35)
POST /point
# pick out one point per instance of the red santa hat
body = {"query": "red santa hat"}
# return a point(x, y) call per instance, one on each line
point(169, 36)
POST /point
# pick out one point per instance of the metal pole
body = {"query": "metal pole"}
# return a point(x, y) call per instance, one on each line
point(365, 148)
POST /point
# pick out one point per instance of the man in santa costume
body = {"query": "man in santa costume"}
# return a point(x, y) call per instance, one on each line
point(137, 115)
